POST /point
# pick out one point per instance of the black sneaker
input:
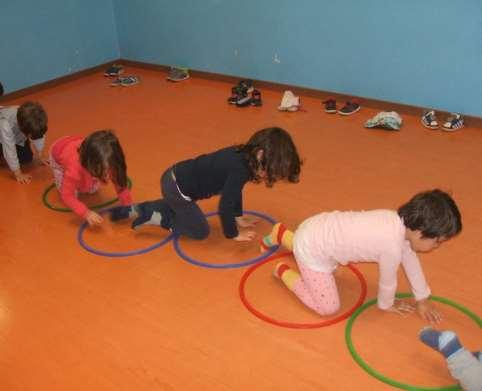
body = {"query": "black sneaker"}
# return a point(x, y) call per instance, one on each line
point(349, 108)
point(244, 100)
point(330, 106)
point(114, 70)
point(246, 86)
point(178, 74)
point(235, 95)
point(256, 98)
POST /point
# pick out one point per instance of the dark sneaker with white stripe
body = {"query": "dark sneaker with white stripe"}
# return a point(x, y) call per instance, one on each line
point(114, 70)
point(349, 108)
point(330, 106)
point(429, 120)
point(453, 123)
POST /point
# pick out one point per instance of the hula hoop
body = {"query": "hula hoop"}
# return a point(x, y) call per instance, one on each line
point(187, 258)
point(293, 325)
point(103, 253)
point(61, 209)
point(383, 378)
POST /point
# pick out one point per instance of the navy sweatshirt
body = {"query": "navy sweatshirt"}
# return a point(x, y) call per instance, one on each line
point(224, 172)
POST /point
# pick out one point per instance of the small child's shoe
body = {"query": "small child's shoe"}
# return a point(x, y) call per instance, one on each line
point(178, 74)
point(129, 81)
point(125, 81)
point(256, 98)
point(244, 100)
point(246, 86)
point(234, 95)
point(330, 106)
point(429, 120)
point(114, 70)
point(350, 108)
point(453, 123)
point(289, 102)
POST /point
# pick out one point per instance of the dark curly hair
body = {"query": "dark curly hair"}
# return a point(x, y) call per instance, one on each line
point(280, 159)
point(101, 154)
point(32, 120)
point(432, 212)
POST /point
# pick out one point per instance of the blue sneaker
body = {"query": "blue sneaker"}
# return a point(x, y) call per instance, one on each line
point(429, 120)
point(453, 123)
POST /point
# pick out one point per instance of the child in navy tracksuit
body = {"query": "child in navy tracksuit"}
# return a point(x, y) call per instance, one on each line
point(269, 156)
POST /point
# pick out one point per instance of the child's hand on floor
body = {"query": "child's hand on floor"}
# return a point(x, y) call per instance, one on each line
point(428, 312)
point(93, 218)
point(245, 236)
point(22, 178)
point(246, 221)
point(401, 307)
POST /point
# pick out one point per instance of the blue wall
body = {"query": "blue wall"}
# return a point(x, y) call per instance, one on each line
point(47, 39)
point(426, 53)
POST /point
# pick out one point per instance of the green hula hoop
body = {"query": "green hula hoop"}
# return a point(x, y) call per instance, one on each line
point(60, 209)
point(385, 379)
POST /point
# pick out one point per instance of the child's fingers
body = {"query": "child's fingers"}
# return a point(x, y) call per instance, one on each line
point(433, 316)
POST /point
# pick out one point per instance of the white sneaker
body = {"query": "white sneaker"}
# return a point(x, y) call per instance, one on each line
point(289, 102)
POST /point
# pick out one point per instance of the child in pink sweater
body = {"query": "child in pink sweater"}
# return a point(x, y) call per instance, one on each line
point(80, 165)
point(387, 237)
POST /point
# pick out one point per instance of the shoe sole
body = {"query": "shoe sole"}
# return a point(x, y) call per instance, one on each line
point(428, 126)
point(451, 129)
point(174, 80)
point(350, 113)
point(334, 111)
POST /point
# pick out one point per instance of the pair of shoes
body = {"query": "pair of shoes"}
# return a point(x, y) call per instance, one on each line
point(289, 102)
point(125, 81)
point(349, 108)
point(178, 74)
point(454, 122)
point(250, 100)
point(114, 70)
point(240, 92)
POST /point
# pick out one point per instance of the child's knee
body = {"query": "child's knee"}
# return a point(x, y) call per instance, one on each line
point(200, 233)
point(327, 308)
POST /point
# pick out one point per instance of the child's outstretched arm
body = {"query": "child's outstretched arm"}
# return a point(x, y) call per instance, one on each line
point(421, 291)
point(69, 197)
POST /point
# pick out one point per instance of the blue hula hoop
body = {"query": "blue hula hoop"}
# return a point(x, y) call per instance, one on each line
point(263, 256)
point(103, 253)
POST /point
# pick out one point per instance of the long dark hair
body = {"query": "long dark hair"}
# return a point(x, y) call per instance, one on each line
point(279, 161)
point(101, 154)
point(434, 213)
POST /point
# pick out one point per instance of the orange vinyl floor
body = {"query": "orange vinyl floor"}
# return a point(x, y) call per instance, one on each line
point(72, 320)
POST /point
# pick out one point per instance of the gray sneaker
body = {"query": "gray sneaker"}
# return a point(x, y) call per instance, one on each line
point(178, 74)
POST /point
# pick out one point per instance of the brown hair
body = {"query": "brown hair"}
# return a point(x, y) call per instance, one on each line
point(32, 120)
point(280, 159)
point(101, 154)
point(432, 212)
